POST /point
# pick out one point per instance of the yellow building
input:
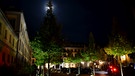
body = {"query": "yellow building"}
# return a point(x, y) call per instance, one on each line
point(18, 23)
point(8, 42)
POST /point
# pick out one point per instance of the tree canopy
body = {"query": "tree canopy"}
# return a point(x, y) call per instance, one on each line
point(37, 51)
point(119, 45)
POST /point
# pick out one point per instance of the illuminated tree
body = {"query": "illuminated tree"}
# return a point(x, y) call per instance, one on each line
point(92, 53)
point(49, 43)
point(118, 46)
point(37, 51)
point(74, 59)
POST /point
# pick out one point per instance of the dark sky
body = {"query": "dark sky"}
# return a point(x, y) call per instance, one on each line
point(78, 17)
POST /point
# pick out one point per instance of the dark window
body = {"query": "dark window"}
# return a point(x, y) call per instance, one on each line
point(3, 57)
point(12, 22)
point(5, 34)
point(12, 59)
point(0, 27)
point(13, 42)
point(8, 58)
point(10, 38)
point(75, 50)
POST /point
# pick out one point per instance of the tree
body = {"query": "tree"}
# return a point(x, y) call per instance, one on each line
point(74, 59)
point(37, 51)
point(77, 60)
point(118, 46)
point(49, 42)
point(92, 53)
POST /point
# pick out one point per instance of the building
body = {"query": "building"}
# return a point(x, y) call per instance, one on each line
point(72, 49)
point(15, 50)
point(8, 42)
point(18, 23)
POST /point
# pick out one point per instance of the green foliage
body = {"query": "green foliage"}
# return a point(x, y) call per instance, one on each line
point(76, 59)
point(85, 55)
point(56, 60)
point(119, 45)
point(67, 60)
point(91, 55)
point(37, 51)
point(72, 59)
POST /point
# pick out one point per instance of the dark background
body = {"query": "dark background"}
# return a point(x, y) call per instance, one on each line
point(79, 17)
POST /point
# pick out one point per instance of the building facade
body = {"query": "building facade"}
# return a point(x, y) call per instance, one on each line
point(8, 42)
point(15, 50)
point(18, 23)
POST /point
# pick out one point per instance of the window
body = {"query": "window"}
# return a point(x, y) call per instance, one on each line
point(3, 57)
point(0, 27)
point(12, 59)
point(5, 34)
point(13, 42)
point(10, 39)
point(8, 58)
point(12, 22)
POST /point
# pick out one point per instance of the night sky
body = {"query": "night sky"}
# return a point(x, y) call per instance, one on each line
point(78, 17)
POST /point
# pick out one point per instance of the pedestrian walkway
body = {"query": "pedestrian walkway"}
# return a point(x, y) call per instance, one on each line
point(98, 73)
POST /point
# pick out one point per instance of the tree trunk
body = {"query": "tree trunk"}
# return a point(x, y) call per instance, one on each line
point(79, 69)
point(121, 71)
point(48, 66)
point(43, 70)
point(69, 70)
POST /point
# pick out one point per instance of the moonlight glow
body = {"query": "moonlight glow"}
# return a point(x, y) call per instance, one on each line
point(47, 8)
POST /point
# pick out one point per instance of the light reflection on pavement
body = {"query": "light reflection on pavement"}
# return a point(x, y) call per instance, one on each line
point(98, 73)
point(101, 73)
